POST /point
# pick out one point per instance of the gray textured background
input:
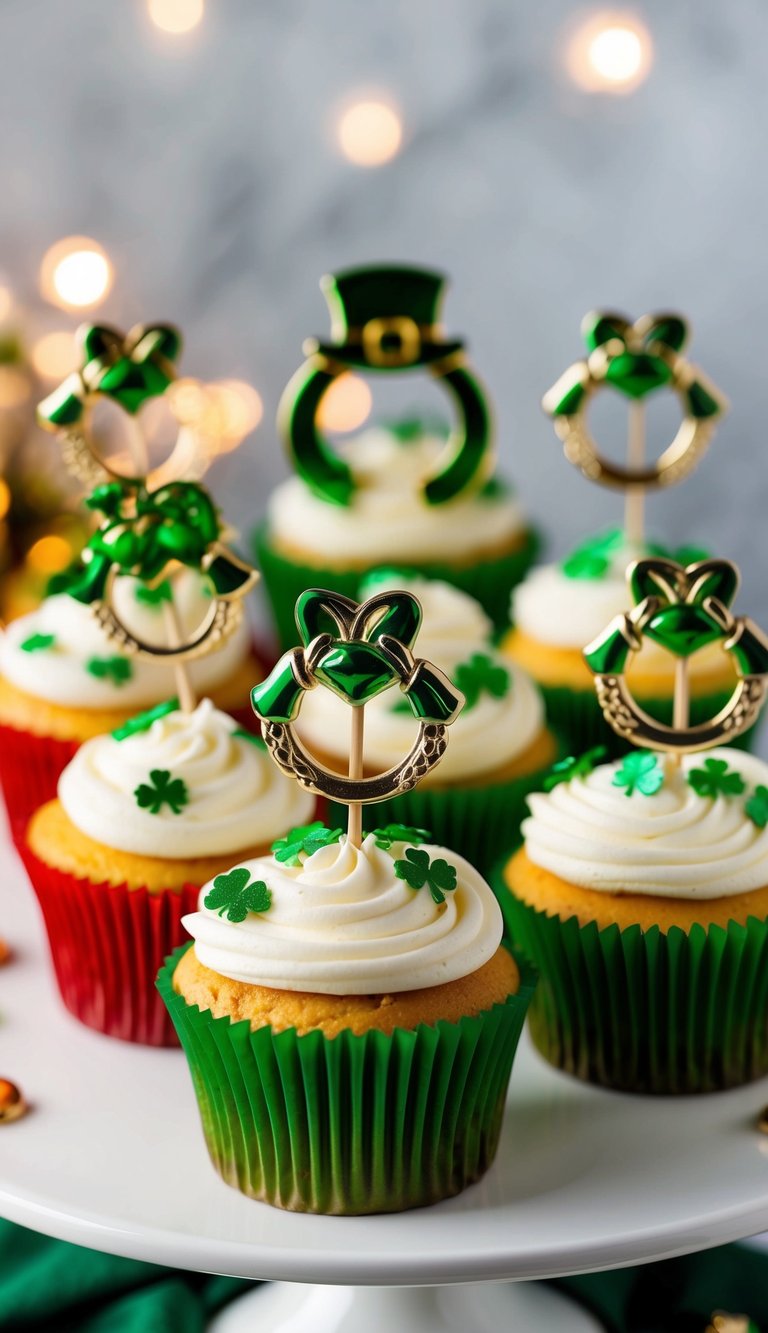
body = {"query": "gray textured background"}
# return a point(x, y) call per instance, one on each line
point(207, 167)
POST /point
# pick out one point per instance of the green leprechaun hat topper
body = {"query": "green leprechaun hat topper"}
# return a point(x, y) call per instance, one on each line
point(385, 319)
point(357, 651)
point(682, 609)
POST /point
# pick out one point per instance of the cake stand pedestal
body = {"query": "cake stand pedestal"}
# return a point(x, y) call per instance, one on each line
point(111, 1156)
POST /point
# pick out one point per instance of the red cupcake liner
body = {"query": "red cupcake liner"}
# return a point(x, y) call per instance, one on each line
point(107, 943)
point(30, 767)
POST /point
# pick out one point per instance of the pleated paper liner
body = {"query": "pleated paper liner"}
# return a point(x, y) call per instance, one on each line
point(30, 767)
point(489, 581)
point(643, 1010)
point(106, 943)
point(351, 1124)
point(481, 823)
point(577, 717)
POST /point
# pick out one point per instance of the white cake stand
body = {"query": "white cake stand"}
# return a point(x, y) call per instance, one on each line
point(111, 1156)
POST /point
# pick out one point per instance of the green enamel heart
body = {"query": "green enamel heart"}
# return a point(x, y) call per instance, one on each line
point(637, 373)
point(356, 671)
point(683, 629)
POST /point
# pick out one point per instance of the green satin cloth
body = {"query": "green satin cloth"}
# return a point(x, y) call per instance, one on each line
point(48, 1285)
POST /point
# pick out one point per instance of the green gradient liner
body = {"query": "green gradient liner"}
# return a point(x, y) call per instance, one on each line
point(646, 1011)
point(576, 716)
point(481, 823)
point(350, 1125)
point(489, 581)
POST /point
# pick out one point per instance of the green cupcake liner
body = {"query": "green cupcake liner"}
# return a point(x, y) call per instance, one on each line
point(349, 1124)
point(481, 823)
point(577, 717)
point(489, 581)
point(646, 1010)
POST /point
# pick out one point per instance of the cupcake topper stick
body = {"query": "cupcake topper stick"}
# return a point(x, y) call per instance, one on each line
point(682, 609)
point(385, 319)
point(151, 535)
point(636, 359)
point(357, 651)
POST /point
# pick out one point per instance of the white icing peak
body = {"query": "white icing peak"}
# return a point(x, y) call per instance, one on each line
point(388, 518)
point(237, 798)
point(60, 675)
point(344, 923)
point(672, 844)
point(483, 738)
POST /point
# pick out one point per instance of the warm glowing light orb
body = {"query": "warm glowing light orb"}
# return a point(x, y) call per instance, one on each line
point(55, 355)
point(75, 273)
point(611, 52)
point(50, 554)
point(240, 410)
point(5, 498)
point(6, 302)
point(370, 133)
point(346, 404)
point(176, 16)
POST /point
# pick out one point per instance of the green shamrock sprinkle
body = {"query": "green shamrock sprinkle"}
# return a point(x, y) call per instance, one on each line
point(244, 735)
point(417, 870)
point(756, 806)
point(716, 779)
point(162, 789)
point(37, 643)
point(306, 839)
point(143, 721)
point(481, 675)
point(578, 766)
point(593, 558)
point(154, 596)
point(639, 772)
point(117, 669)
point(384, 837)
point(235, 894)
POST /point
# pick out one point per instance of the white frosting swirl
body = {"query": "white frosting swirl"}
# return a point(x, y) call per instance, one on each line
point(388, 518)
point(60, 675)
point(674, 844)
point(564, 612)
point(237, 797)
point(343, 923)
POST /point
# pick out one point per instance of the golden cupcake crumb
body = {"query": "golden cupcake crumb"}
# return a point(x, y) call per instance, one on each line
point(265, 1006)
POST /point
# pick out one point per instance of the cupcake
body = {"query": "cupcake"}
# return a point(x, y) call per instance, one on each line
point(350, 1035)
point(560, 608)
point(641, 894)
point(62, 681)
point(641, 888)
point(143, 817)
point(500, 747)
point(390, 495)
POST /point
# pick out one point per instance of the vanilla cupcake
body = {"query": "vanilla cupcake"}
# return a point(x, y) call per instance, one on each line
point(641, 894)
point(499, 748)
point(62, 681)
point(142, 819)
point(560, 608)
point(350, 1018)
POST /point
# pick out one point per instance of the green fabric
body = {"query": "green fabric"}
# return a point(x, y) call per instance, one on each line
point(46, 1284)
point(678, 1295)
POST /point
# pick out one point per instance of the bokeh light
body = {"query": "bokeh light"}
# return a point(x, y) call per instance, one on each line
point(49, 554)
point(76, 273)
point(176, 16)
point(5, 498)
point(346, 404)
point(55, 355)
point(15, 387)
point(370, 133)
point(6, 302)
point(611, 52)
